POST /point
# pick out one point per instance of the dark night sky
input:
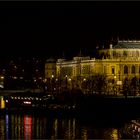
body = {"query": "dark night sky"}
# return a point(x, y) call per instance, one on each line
point(47, 29)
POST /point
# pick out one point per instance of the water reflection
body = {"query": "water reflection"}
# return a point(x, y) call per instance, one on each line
point(27, 127)
point(18, 126)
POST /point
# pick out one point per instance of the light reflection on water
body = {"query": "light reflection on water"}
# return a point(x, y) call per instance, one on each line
point(29, 127)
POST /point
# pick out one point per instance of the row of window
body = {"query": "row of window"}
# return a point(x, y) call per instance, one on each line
point(133, 69)
point(125, 70)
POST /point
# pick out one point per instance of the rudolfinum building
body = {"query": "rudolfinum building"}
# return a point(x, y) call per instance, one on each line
point(117, 65)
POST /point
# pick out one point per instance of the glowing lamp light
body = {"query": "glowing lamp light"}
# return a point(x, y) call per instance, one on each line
point(2, 103)
point(1, 86)
point(69, 79)
point(84, 79)
point(119, 83)
point(2, 77)
point(27, 102)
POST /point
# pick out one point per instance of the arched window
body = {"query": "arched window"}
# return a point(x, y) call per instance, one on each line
point(125, 69)
point(133, 69)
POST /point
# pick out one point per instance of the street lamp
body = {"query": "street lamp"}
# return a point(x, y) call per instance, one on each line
point(52, 83)
point(84, 80)
point(114, 86)
point(66, 81)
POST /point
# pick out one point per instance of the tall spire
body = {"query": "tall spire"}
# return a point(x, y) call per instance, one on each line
point(80, 53)
point(117, 38)
point(112, 40)
point(63, 55)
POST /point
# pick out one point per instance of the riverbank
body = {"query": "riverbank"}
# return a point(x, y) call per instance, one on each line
point(80, 105)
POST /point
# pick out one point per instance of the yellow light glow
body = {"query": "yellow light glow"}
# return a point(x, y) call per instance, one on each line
point(2, 103)
point(69, 79)
point(2, 77)
point(115, 134)
point(15, 77)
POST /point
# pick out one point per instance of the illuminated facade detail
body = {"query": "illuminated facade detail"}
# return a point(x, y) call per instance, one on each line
point(118, 62)
point(50, 68)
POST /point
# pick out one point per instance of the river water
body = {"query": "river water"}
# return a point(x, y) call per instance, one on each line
point(35, 126)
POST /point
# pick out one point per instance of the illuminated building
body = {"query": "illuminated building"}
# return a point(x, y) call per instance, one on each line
point(118, 62)
point(50, 68)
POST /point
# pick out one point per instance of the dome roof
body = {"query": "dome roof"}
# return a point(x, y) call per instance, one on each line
point(127, 45)
point(51, 60)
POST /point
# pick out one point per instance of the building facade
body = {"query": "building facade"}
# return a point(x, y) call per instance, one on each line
point(118, 64)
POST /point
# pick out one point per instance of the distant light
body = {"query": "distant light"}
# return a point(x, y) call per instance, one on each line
point(119, 82)
point(52, 76)
point(56, 79)
point(66, 75)
point(34, 80)
point(1, 86)
point(69, 79)
point(27, 102)
point(15, 77)
point(21, 77)
point(15, 67)
point(84, 79)
point(6, 101)
point(2, 77)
